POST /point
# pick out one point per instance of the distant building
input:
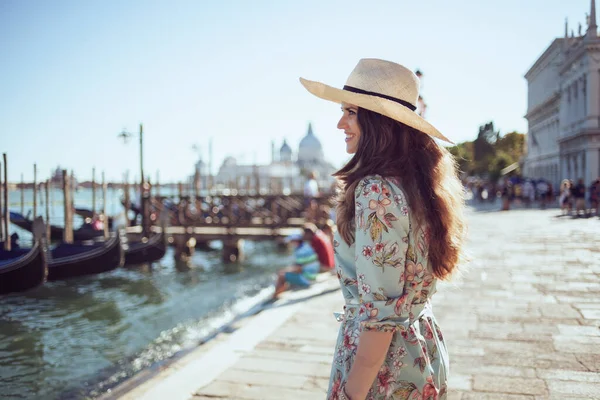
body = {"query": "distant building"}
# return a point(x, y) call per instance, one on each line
point(563, 108)
point(285, 172)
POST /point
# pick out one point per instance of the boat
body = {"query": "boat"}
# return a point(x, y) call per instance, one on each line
point(68, 260)
point(86, 213)
point(149, 251)
point(23, 269)
point(86, 232)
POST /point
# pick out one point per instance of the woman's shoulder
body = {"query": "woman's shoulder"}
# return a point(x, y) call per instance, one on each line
point(379, 185)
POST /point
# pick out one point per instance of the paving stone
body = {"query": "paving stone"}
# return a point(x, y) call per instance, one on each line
point(531, 386)
point(567, 375)
point(495, 396)
point(460, 382)
point(590, 361)
point(300, 356)
point(262, 378)
point(230, 390)
point(577, 330)
point(493, 370)
point(559, 311)
point(584, 389)
point(590, 313)
point(252, 363)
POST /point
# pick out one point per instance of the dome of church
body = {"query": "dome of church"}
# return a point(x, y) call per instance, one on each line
point(310, 141)
point(310, 149)
point(285, 148)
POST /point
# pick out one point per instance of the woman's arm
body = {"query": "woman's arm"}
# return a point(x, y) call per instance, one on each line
point(381, 244)
point(372, 350)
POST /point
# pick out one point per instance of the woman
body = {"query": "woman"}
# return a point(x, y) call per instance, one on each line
point(400, 229)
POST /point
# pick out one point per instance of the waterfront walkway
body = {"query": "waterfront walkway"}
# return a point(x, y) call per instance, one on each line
point(522, 323)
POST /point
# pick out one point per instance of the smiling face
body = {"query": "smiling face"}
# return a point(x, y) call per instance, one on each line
point(349, 124)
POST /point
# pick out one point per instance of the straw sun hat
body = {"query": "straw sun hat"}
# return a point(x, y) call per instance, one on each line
point(381, 86)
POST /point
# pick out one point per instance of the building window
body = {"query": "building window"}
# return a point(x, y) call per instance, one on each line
point(584, 90)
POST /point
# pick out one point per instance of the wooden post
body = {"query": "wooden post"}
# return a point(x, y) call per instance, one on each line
point(34, 191)
point(1, 209)
point(141, 165)
point(68, 232)
point(157, 184)
point(104, 216)
point(256, 180)
point(6, 210)
point(93, 190)
point(47, 187)
point(127, 200)
point(22, 195)
point(180, 191)
point(51, 199)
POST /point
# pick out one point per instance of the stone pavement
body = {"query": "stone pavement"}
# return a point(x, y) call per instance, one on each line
point(522, 323)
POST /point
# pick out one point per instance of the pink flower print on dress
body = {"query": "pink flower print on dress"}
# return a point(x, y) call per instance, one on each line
point(365, 288)
point(370, 310)
point(385, 381)
point(351, 339)
point(379, 207)
point(400, 304)
point(385, 191)
point(414, 271)
point(398, 364)
point(428, 330)
point(400, 352)
point(375, 188)
point(379, 247)
point(336, 387)
point(367, 251)
point(430, 392)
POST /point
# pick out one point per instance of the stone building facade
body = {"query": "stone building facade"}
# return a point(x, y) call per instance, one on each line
point(563, 108)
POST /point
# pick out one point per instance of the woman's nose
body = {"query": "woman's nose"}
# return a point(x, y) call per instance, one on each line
point(341, 123)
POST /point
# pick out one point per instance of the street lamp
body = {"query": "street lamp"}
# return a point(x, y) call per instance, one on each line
point(128, 135)
point(125, 136)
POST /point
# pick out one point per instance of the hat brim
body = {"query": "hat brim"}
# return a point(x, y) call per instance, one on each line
point(379, 105)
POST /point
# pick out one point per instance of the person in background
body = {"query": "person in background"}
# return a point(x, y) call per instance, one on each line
point(322, 245)
point(311, 194)
point(303, 271)
point(594, 197)
point(579, 195)
point(542, 190)
point(565, 197)
point(311, 187)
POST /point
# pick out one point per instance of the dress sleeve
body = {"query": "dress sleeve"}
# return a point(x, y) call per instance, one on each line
point(381, 242)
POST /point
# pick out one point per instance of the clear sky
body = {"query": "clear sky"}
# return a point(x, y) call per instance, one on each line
point(74, 73)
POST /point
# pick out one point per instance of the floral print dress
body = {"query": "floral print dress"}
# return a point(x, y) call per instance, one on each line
point(387, 283)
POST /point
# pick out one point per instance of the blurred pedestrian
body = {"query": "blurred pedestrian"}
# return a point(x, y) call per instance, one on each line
point(564, 199)
point(579, 195)
point(595, 197)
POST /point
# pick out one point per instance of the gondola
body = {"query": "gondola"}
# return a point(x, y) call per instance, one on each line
point(87, 213)
point(146, 252)
point(56, 232)
point(80, 258)
point(24, 269)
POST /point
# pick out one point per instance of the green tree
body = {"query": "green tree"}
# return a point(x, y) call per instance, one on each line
point(489, 153)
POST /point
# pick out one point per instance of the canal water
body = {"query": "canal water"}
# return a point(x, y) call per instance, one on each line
point(74, 339)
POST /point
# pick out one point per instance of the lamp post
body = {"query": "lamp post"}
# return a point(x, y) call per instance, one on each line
point(126, 136)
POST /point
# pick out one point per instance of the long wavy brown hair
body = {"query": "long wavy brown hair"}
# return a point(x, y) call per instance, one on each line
point(429, 178)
